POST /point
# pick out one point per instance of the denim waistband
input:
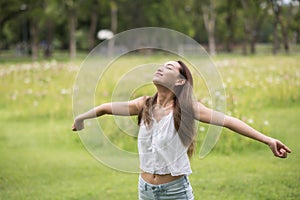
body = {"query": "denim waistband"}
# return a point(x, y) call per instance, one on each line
point(165, 186)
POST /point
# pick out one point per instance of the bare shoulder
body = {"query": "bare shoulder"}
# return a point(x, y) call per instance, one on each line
point(197, 106)
point(140, 101)
point(200, 110)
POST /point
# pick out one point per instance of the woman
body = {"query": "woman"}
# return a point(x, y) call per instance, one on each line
point(167, 136)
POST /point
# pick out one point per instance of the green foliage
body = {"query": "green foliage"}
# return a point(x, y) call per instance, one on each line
point(51, 20)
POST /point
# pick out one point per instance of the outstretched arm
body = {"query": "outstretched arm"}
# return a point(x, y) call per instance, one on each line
point(115, 108)
point(210, 116)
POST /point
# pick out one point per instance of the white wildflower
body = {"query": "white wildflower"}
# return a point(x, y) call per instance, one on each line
point(64, 91)
point(228, 80)
point(27, 80)
point(202, 128)
point(250, 121)
point(35, 103)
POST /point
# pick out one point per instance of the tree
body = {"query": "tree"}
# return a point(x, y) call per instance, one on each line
point(253, 18)
point(71, 7)
point(35, 8)
point(295, 25)
point(231, 8)
point(283, 21)
point(10, 10)
point(52, 14)
point(209, 17)
point(89, 12)
point(114, 16)
point(43, 23)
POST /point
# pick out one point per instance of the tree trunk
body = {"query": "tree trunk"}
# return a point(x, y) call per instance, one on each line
point(285, 27)
point(209, 17)
point(212, 44)
point(244, 47)
point(276, 11)
point(34, 35)
point(231, 10)
point(92, 30)
point(253, 42)
point(113, 26)
point(285, 38)
point(114, 17)
point(246, 36)
point(297, 31)
point(250, 25)
point(72, 28)
point(49, 38)
point(275, 37)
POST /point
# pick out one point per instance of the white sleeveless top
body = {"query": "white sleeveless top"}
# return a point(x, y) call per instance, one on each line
point(161, 150)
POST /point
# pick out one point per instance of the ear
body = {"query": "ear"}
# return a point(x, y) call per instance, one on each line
point(180, 82)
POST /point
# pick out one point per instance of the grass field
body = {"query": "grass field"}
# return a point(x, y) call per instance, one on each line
point(42, 159)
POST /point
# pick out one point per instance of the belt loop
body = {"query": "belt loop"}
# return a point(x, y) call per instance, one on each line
point(160, 187)
point(145, 185)
point(186, 178)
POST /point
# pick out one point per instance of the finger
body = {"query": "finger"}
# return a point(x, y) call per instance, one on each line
point(283, 153)
point(74, 128)
point(287, 149)
point(277, 153)
point(281, 145)
point(275, 150)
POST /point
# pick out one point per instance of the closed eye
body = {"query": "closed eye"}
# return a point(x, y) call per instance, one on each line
point(169, 67)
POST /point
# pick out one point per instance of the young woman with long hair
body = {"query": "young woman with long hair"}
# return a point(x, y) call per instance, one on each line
point(167, 134)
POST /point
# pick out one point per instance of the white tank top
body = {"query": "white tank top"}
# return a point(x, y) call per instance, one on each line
point(161, 150)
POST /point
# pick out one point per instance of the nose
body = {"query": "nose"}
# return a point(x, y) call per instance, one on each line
point(159, 69)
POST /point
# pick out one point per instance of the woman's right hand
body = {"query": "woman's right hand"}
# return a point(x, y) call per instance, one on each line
point(78, 124)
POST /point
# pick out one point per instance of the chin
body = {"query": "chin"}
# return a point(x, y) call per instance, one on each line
point(155, 80)
point(161, 84)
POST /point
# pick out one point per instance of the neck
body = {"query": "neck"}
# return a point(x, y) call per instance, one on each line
point(165, 97)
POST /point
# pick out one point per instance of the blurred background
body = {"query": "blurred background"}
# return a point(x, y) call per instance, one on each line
point(40, 29)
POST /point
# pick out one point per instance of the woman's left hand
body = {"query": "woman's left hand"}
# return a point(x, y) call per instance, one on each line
point(278, 148)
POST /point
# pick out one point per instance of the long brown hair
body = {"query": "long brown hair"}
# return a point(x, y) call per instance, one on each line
point(183, 113)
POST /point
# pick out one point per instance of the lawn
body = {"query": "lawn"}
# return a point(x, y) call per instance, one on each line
point(42, 159)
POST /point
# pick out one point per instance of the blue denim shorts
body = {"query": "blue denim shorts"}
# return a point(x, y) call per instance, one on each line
point(177, 190)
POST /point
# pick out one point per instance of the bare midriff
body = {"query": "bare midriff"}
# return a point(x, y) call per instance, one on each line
point(157, 179)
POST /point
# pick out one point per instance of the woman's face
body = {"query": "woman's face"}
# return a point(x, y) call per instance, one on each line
point(168, 75)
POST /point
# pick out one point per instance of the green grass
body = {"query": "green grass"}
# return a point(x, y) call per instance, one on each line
point(254, 174)
point(34, 166)
point(42, 159)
